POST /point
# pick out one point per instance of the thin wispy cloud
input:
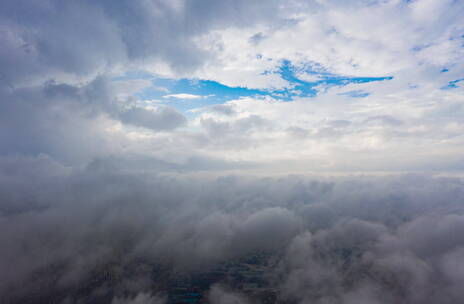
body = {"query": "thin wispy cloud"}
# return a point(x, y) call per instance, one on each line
point(183, 96)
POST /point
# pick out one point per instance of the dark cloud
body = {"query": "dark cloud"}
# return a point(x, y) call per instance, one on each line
point(53, 119)
point(103, 234)
point(141, 298)
point(82, 38)
point(220, 295)
point(161, 118)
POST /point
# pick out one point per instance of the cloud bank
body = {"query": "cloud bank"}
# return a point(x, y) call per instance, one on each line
point(110, 236)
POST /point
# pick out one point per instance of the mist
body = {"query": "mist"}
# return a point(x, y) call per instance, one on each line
point(103, 235)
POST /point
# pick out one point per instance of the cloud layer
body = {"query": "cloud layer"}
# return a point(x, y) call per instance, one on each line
point(100, 234)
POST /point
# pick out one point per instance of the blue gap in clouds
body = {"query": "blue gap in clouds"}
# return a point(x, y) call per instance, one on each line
point(355, 94)
point(452, 84)
point(325, 80)
point(213, 92)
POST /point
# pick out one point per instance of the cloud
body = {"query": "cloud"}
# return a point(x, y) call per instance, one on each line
point(223, 109)
point(183, 96)
point(166, 39)
point(141, 298)
point(67, 94)
point(126, 235)
point(162, 118)
point(107, 195)
point(219, 295)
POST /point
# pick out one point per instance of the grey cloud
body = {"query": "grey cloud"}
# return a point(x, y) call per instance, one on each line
point(220, 295)
point(141, 298)
point(138, 163)
point(267, 230)
point(223, 109)
point(162, 118)
point(339, 123)
point(236, 133)
point(30, 53)
point(58, 59)
point(343, 239)
point(69, 122)
point(239, 126)
point(54, 119)
point(54, 37)
point(256, 38)
point(384, 119)
point(361, 262)
point(298, 132)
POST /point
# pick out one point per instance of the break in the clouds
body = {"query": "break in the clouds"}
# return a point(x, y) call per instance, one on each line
point(130, 132)
point(286, 71)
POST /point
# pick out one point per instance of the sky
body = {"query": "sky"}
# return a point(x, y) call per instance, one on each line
point(244, 86)
point(314, 122)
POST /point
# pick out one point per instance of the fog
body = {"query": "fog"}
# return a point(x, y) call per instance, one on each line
point(352, 239)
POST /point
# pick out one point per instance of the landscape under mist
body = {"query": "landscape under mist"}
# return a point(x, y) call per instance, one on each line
point(232, 151)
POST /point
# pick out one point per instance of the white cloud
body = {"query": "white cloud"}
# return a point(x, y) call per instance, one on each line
point(183, 96)
point(407, 123)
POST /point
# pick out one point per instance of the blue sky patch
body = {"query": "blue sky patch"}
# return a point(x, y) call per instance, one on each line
point(212, 92)
point(355, 94)
point(452, 84)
